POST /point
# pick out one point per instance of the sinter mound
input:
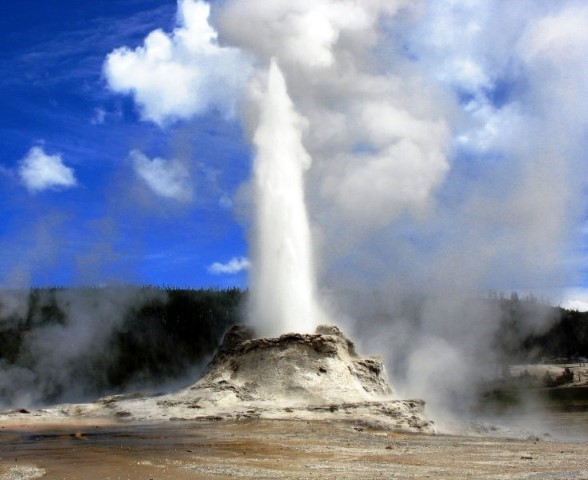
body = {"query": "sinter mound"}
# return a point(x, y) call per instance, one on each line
point(294, 368)
point(295, 376)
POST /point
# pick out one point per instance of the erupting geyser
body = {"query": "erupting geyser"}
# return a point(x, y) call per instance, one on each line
point(289, 365)
point(283, 295)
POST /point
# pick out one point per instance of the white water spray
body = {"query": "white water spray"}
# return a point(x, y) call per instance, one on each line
point(283, 295)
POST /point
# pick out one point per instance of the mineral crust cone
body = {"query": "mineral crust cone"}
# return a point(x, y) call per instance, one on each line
point(300, 376)
point(295, 376)
point(295, 368)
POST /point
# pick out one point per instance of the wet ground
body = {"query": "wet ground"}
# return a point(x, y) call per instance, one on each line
point(560, 412)
point(275, 449)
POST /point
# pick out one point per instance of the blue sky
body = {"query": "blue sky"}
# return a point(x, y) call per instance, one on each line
point(108, 227)
point(447, 140)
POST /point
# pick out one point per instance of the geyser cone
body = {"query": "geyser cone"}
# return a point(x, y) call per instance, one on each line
point(317, 368)
point(283, 278)
point(311, 376)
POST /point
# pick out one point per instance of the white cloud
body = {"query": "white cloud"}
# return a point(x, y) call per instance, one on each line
point(39, 171)
point(178, 75)
point(575, 299)
point(574, 304)
point(166, 178)
point(232, 267)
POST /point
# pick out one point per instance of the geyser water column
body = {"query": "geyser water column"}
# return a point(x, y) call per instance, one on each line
point(283, 292)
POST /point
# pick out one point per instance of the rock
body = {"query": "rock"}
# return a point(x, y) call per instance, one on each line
point(23, 472)
point(235, 336)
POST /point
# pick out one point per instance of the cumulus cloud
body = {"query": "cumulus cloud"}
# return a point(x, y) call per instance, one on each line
point(166, 178)
point(40, 171)
point(177, 75)
point(233, 266)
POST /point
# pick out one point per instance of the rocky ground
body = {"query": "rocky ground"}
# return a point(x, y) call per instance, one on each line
point(258, 449)
point(301, 406)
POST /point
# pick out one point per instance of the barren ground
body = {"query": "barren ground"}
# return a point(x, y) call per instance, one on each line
point(260, 449)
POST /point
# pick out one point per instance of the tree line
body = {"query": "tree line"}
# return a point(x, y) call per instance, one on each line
point(94, 341)
point(534, 331)
point(56, 342)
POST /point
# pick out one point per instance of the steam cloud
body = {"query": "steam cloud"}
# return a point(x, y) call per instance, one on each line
point(446, 140)
point(57, 358)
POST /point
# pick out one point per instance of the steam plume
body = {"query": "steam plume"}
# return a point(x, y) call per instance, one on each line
point(69, 331)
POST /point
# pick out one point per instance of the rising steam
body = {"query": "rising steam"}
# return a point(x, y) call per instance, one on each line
point(447, 141)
